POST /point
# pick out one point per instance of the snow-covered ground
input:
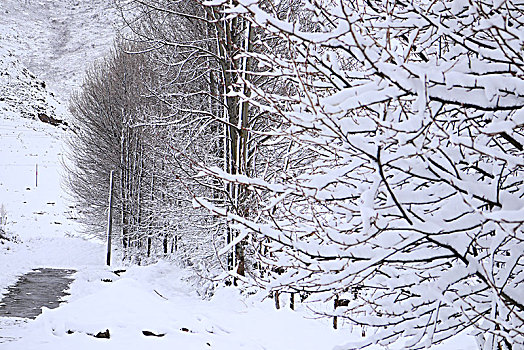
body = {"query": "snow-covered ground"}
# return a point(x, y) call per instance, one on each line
point(156, 299)
point(56, 40)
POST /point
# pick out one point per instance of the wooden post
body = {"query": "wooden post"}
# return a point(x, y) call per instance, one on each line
point(335, 323)
point(110, 219)
point(338, 303)
point(36, 175)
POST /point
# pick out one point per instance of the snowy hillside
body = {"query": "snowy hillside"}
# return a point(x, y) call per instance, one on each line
point(57, 40)
point(30, 151)
point(35, 209)
point(35, 213)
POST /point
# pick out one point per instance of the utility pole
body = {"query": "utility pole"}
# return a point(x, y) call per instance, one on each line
point(110, 219)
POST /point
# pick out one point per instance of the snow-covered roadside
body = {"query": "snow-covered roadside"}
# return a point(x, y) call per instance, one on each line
point(57, 252)
point(156, 299)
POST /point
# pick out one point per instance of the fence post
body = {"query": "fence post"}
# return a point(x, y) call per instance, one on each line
point(335, 319)
point(110, 219)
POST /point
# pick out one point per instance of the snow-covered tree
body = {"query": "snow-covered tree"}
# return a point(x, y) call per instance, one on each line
point(198, 47)
point(412, 202)
point(105, 112)
point(99, 112)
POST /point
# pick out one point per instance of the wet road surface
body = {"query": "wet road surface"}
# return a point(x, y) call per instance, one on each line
point(34, 290)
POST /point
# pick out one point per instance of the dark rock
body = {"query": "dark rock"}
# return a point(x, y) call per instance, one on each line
point(103, 335)
point(49, 120)
point(151, 334)
point(341, 302)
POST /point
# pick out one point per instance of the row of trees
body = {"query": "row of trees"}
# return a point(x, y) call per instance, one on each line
point(164, 104)
point(367, 150)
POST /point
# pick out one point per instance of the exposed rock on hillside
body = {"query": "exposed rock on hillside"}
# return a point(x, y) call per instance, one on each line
point(22, 93)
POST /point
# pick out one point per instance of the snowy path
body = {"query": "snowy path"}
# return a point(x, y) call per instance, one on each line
point(24, 300)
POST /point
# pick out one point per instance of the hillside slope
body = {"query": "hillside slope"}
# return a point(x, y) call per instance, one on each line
point(35, 209)
point(58, 39)
point(44, 49)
